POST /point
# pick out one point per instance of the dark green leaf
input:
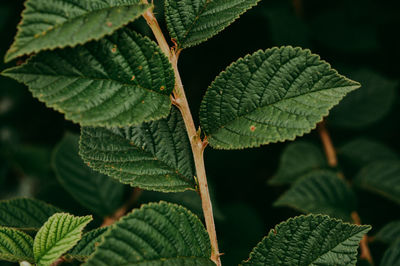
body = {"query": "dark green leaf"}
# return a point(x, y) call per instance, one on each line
point(392, 255)
point(87, 244)
point(389, 233)
point(15, 246)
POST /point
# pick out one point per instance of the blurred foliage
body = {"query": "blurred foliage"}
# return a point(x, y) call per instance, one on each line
point(359, 38)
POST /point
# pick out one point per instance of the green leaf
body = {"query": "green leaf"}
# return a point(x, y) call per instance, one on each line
point(15, 246)
point(25, 214)
point(320, 192)
point(156, 234)
point(59, 23)
point(389, 233)
point(367, 105)
point(86, 246)
point(298, 159)
point(381, 177)
point(192, 22)
point(95, 191)
point(123, 79)
point(270, 96)
point(155, 156)
point(59, 234)
point(309, 240)
point(362, 151)
point(392, 255)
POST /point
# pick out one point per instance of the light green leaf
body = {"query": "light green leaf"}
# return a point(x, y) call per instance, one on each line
point(192, 22)
point(389, 233)
point(156, 234)
point(309, 240)
point(320, 192)
point(25, 214)
point(270, 96)
point(367, 105)
point(381, 177)
point(87, 244)
point(15, 246)
point(362, 151)
point(155, 156)
point(298, 159)
point(95, 191)
point(392, 255)
point(59, 23)
point(123, 79)
point(59, 234)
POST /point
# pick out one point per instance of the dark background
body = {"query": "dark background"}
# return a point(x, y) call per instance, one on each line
point(360, 38)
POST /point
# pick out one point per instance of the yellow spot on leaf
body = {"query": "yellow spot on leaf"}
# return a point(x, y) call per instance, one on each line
point(252, 128)
point(162, 88)
point(108, 23)
point(140, 67)
point(114, 49)
point(133, 78)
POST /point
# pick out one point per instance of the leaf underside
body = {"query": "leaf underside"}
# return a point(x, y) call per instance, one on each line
point(59, 234)
point(86, 246)
point(59, 23)
point(156, 234)
point(15, 246)
point(25, 214)
point(309, 240)
point(123, 79)
point(155, 155)
point(95, 191)
point(270, 96)
point(192, 22)
point(320, 192)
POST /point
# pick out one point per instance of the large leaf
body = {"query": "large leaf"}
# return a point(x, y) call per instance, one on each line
point(389, 233)
point(95, 191)
point(309, 240)
point(193, 22)
point(59, 234)
point(15, 246)
point(156, 234)
point(154, 156)
point(381, 177)
point(123, 79)
point(320, 192)
point(25, 214)
point(58, 23)
point(392, 255)
point(298, 159)
point(87, 244)
point(270, 96)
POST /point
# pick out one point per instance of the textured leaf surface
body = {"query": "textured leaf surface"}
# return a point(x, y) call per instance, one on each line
point(193, 22)
point(25, 214)
point(123, 79)
point(156, 234)
point(58, 23)
point(362, 151)
point(309, 240)
point(87, 244)
point(392, 255)
point(298, 159)
point(59, 234)
point(270, 96)
point(320, 192)
point(154, 156)
point(382, 178)
point(389, 233)
point(95, 191)
point(15, 246)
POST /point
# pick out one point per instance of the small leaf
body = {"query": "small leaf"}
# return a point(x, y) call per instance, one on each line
point(95, 191)
point(59, 234)
point(392, 255)
point(87, 244)
point(156, 234)
point(320, 192)
point(59, 23)
point(123, 79)
point(389, 233)
point(270, 96)
point(15, 246)
point(298, 159)
point(309, 240)
point(155, 156)
point(192, 22)
point(381, 177)
point(25, 214)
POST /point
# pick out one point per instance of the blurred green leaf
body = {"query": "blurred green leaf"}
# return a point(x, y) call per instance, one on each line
point(389, 233)
point(392, 255)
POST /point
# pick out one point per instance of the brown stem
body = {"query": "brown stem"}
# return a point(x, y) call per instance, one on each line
point(196, 143)
point(298, 7)
point(333, 162)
